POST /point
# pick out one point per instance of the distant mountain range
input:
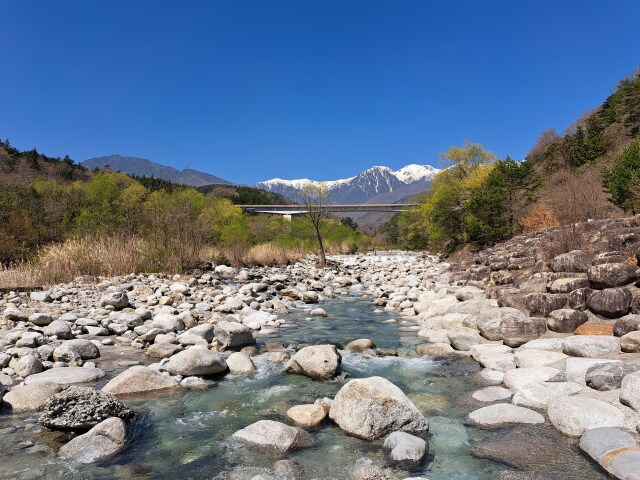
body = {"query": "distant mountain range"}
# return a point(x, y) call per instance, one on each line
point(374, 185)
point(147, 168)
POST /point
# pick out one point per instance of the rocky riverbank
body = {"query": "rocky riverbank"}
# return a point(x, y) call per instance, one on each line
point(543, 362)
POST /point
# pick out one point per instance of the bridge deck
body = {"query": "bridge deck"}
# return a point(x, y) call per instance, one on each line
point(300, 209)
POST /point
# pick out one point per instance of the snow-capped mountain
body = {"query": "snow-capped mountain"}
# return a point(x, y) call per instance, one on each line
point(374, 185)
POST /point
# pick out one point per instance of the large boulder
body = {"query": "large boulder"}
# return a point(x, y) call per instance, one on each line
point(273, 437)
point(611, 275)
point(630, 391)
point(233, 334)
point(610, 303)
point(573, 415)
point(163, 350)
point(117, 300)
point(542, 304)
point(517, 330)
point(319, 362)
point(138, 380)
point(30, 398)
point(404, 449)
point(81, 408)
point(573, 261)
point(617, 450)
point(370, 408)
point(537, 358)
point(104, 440)
point(196, 361)
point(566, 320)
point(590, 345)
point(575, 369)
point(463, 338)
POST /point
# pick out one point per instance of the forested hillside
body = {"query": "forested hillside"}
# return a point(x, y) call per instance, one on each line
point(591, 171)
point(52, 208)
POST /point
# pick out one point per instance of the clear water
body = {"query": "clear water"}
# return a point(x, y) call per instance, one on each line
point(182, 434)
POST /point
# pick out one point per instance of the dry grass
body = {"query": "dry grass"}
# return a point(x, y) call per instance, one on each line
point(540, 218)
point(19, 276)
point(269, 254)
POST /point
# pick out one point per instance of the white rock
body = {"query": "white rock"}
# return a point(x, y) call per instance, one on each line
point(504, 413)
point(573, 415)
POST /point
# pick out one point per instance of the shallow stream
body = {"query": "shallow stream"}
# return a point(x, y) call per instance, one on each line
point(182, 434)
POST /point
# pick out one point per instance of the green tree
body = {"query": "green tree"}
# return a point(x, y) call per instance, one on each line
point(623, 178)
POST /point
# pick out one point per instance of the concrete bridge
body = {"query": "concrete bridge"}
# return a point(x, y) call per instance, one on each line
point(289, 210)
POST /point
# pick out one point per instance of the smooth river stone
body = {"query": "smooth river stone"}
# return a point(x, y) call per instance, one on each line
point(590, 345)
point(573, 415)
point(575, 369)
point(492, 394)
point(550, 344)
point(538, 395)
point(66, 375)
point(504, 413)
point(537, 358)
point(615, 449)
point(519, 377)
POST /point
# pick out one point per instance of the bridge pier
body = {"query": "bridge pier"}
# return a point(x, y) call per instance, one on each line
point(287, 217)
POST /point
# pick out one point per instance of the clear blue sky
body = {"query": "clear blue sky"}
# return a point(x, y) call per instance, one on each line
point(250, 90)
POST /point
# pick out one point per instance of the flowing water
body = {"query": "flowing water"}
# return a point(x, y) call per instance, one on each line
point(182, 434)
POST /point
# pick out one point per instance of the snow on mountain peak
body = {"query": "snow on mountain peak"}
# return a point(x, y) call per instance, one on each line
point(414, 173)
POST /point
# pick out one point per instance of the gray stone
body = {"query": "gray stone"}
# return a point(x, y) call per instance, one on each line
point(492, 394)
point(167, 323)
point(568, 285)
point(573, 415)
point(67, 354)
point(360, 345)
point(273, 437)
point(504, 413)
point(590, 345)
point(138, 380)
point(566, 320)
point(630, 342)
point(196, 361)
point(520, 377)
point(610, 303)
point(405, 449)
point(574, 261)
point(117, 300)
point(370, 408)
point(490, 322)
point(239, 362)
point(81, 408)
point(615, 449)
point(609, 376)
point(319, 362)
point(41, 319)
point(27, 366)
point(611, 275)
point(542, 304)
point(307, 416)
point(233, 334)
point(60, 329)
point(310, 297)
point(464, 338)
point(626, 324)
point(104, 440)
point(40, 297)
point(31, 398)
point(519, 330)
point(537, 358)
point(86, 348)
point(575, 369)
point(163, 350)
point(66, 376)
point(630, 391)
point(537, 395)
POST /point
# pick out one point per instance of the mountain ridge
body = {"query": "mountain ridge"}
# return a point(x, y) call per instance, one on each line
point(147, 168)
point(377, 182)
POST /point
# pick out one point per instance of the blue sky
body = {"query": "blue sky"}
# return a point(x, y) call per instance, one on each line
point(250, 90)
